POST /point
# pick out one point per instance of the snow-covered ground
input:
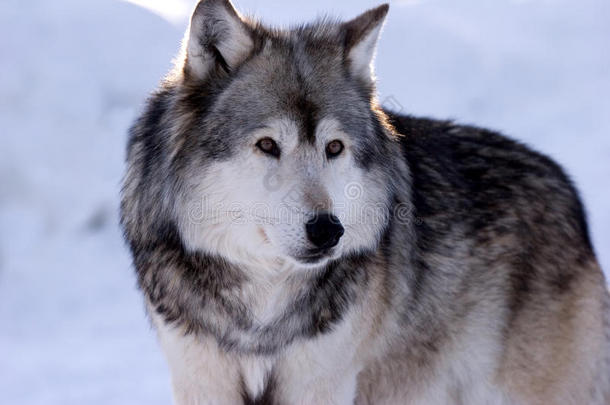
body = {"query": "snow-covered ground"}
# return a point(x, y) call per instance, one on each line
point(73, 74)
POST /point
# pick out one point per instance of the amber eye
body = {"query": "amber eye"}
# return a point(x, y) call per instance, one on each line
point(269, 146)
point(334, 148)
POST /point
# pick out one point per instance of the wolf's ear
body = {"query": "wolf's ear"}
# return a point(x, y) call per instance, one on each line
point(361, 36)
point(217, 38)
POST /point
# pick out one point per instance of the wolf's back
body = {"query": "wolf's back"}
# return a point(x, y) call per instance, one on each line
point(503, 226)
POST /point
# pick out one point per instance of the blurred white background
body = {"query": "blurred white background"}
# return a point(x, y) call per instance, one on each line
point(74, 73)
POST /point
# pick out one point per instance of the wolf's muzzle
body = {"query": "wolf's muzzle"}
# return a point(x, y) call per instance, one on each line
point(324, 230)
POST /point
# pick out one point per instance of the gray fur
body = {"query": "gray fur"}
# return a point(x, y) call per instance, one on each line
point(478, 233)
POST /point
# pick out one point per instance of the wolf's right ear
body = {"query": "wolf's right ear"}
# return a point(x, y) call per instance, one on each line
point(217, 38)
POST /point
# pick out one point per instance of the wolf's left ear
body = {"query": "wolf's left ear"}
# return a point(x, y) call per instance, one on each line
point(361, 36)
point(217, 38)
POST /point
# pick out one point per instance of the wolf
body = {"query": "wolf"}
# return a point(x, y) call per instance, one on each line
point(295, 243)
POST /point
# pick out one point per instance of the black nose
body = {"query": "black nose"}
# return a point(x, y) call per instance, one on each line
point(324, 230)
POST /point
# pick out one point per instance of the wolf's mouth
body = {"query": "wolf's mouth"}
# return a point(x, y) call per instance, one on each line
point(314, 256)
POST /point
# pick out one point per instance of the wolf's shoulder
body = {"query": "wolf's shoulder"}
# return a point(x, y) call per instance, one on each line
point(482, 178)
point(471, 153)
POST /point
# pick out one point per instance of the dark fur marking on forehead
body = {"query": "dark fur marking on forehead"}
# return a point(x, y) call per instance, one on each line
point(305, 109)
point(307, 113)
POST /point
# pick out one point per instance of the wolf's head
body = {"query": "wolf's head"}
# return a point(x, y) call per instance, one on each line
point(275, 148)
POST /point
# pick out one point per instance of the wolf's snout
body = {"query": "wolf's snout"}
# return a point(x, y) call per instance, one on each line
point(324, 230)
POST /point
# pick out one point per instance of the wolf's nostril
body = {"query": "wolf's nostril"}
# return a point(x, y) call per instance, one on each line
point(324, 230)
